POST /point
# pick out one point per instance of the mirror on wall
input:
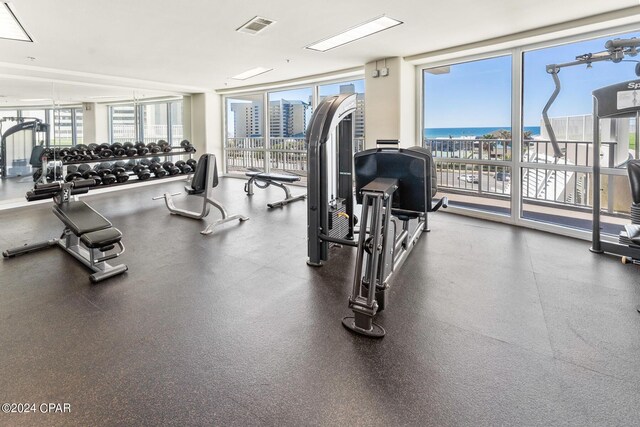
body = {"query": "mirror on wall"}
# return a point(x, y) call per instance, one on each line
point(35, 115)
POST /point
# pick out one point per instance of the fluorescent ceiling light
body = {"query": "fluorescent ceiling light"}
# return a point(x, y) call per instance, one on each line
point(37, 100)
point(10, 27)
point(363, 30)
point(251, 73)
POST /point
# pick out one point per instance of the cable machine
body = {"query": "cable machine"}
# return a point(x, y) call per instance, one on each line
point(621, 100)
point(17, 156)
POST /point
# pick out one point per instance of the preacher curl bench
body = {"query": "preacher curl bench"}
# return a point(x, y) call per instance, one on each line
point(205, 179)
point(263, 180)
point(87, 236)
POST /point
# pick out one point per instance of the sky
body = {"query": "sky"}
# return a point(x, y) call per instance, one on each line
point(478, 94)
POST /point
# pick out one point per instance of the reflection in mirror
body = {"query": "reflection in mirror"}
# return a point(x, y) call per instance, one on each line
point(35, 115)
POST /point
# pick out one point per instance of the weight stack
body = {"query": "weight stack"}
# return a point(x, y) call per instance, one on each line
point(635, 213)
point(338, 221)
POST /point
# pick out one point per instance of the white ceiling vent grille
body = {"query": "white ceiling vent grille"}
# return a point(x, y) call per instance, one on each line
point(255, 25)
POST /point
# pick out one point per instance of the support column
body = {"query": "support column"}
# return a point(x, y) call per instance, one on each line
point(206, 124)
point(95, 123)
point(390, 102)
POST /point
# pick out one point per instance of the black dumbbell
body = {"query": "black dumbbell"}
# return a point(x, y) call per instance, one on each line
point(120, 173)
point(186, 146)
point(171, 168)
point(192, 163)
point(117, 149)
point(92, 146)
point(83, 168)
point(92, 175)
point(160, 172)
point(145, 162)
point(72, 176)
point(72, 169)
point(144, 174)
point(127, 145)
point(109, 179)
point(129, 165)
point(106, 153)
point(183, 166)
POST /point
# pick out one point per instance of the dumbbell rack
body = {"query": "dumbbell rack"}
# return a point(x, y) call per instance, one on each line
point(175, 151)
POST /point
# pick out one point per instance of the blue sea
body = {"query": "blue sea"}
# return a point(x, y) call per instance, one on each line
point(471, 132)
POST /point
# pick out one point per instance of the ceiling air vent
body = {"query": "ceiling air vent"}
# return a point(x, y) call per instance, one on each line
point(255, 25)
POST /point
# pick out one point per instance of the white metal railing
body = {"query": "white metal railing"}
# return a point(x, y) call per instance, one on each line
point(275, 154)
point(152, 133)
point(483, 167)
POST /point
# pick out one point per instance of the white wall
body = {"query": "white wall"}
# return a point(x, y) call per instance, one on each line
point(390, 111)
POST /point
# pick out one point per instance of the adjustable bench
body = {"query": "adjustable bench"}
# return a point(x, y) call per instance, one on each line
point(263, 180)
point(205, 178)
point(87, 236)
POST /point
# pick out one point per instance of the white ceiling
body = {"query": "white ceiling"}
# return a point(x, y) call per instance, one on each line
point(192, 46)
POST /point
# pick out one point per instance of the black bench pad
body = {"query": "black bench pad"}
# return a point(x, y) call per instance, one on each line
point(101, 238)
point(273, 176)
point(80, 218)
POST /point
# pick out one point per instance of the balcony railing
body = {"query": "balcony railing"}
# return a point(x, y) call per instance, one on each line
point(281, 154)
point(482, 167)
point(127, 132)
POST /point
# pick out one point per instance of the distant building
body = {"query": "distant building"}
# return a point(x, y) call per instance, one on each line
point(288, 119)
point(358, 125)
point(247, 119)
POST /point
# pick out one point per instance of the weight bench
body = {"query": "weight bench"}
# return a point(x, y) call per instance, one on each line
point(205, 179)
point(263, 180)
point(87, 235)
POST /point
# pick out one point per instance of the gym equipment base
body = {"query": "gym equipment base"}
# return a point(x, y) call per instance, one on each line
point(102, 270)
point(205, 179)
point(376, 330)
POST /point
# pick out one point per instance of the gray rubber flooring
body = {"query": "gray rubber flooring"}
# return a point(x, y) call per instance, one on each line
point(487, 324)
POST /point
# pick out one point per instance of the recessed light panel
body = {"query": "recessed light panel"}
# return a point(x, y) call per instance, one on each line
point(251, 73)
point(363, 30)
point(10, 27)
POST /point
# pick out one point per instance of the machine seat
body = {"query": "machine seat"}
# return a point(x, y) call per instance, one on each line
point(101, 238)
point(272, 176)
point(199, 180)
point(80, 218)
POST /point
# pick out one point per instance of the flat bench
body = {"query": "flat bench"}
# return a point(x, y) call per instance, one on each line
point(263, 180)
point(87, 236)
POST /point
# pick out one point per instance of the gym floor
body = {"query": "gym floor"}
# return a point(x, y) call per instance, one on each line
point(487, 324)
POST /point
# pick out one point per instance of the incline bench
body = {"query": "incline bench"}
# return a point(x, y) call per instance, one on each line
point(263, 180)
point(87, 235)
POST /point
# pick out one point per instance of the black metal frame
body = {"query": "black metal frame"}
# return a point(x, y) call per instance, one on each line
point(605, 105)
point(94, 259)
point(25, 123)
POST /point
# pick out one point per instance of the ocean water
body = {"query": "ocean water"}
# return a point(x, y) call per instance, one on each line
point(471, 132)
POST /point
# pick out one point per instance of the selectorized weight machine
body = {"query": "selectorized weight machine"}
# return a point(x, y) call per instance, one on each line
point(17, 156)
point(395, 187)
point(618, 101)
